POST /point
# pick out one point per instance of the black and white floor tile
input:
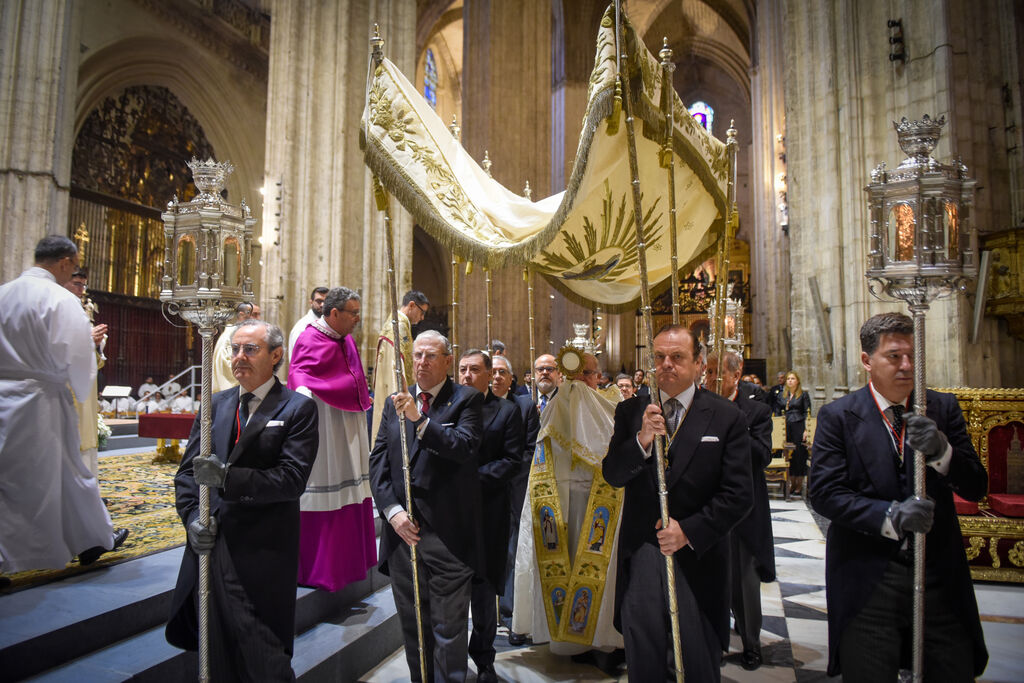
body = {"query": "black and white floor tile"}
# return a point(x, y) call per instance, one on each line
point(794, 635)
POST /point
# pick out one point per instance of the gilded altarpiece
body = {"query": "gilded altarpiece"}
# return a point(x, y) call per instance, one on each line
point(993, 539)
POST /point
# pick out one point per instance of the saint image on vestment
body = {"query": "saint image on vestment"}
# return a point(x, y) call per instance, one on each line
point(580, 611)
point(548, 529)
point(557, 601)
point(598, 526)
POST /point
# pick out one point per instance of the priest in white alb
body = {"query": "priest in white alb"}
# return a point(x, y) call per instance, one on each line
point(50, 505)
point(337, 543)
point(568, 527)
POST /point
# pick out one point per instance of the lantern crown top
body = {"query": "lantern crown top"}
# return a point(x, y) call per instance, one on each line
point(210, 177)
point(918, 138)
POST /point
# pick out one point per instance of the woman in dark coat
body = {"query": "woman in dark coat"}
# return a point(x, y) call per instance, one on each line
point(795, 404)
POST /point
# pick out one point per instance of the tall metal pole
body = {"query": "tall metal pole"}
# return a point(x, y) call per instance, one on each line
point(724, 247)
point(453, 325)
point(381, 197)
point(645, 300)
point(205, 427)
point(487, 279)
point(668, 163)
point(918, 310)
point(528, 276)
point(382, 205)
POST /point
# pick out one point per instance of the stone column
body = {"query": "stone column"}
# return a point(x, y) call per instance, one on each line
point(39, 72)
point(506, 109)
point(325, 229)
point(770, 244)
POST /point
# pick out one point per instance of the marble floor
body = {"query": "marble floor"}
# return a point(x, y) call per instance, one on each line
point(794, 636)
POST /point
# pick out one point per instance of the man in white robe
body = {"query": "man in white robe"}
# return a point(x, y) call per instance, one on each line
point(222, 378)
point(576, 426)
point(182, 403)
point(50, 505)
point(316, 307)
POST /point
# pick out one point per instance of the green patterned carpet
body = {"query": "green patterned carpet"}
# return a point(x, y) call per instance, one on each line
point(140, 497)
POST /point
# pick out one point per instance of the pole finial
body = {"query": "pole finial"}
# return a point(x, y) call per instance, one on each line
point(487, 164)
point(377, 45)
point(666, 55)
point(454, 128)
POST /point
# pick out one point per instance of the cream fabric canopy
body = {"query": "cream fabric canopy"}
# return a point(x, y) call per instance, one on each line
point(583, 239)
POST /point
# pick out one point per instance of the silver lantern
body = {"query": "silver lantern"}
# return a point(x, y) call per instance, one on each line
point(922, 247)
point(207, 253)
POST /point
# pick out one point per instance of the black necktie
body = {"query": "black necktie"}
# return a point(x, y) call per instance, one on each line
point(897, 429)
point(243, 410)
point(672, 411)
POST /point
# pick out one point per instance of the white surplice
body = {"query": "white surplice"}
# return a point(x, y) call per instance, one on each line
point(584, 417)
point(50, 505)
point(300, 325)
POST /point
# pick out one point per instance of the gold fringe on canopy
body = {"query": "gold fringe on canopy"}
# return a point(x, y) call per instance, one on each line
point(582, 240)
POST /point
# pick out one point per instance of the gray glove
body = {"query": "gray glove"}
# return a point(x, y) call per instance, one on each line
point(209, 471)
point(201, 538)
point(912, 516)
point(923, 435)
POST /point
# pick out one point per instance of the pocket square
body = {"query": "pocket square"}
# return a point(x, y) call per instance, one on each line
point(709, 439)
point(279, 423)
point(447, 424)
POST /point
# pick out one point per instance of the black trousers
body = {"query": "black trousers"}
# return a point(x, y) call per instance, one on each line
point(877, 642)
point(485, 624)
point(746, 594)
point(647, 631)
point(444, 607)
point(242, 648)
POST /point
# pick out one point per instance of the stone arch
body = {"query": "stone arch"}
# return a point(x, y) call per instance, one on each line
point(218, 102)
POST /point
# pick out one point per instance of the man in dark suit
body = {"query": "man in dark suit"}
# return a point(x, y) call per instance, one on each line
point(500, 459)
point(547, 377)
point(862, 480)
point(264, 442)
point(442, 426)
point(709, 491)
point(772, 395)
point(501, 378)
point(751, 542)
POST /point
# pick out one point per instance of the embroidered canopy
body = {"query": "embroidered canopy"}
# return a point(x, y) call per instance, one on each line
point(583, 239)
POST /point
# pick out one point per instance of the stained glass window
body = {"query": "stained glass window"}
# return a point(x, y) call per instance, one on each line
point(702, 113)
point(430, 79)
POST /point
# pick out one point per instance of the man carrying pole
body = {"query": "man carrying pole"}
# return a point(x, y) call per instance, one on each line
point(861, 480)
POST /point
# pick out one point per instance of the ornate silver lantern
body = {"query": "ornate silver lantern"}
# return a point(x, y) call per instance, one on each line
point(922, 247)
point(732, 336)
point(207, 252)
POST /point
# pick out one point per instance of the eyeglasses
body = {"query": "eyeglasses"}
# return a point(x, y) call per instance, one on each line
point(354, 314)
point(501, 371)
point(545, 369)
point(588, 373)
point(421, 309)
point(249, 350)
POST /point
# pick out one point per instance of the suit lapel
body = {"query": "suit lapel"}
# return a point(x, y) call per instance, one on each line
point(224, 425)
point(875, 448)
point(438, 411)
point(258, 420)
point(692, 428)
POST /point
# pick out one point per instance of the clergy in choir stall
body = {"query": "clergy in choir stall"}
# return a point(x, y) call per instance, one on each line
point(316, 308)
point(414, 308)
point(569, 524)
point(499, 460)
point(338, 544)
point(182, 403)
point(222, 377)
point(88, 406)
point(147, 388)
point(153, 404)
point(50, 505)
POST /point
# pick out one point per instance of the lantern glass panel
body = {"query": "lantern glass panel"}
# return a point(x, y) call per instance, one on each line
point(951, 230)
point(901, 232)
point(186, 261)
point(232, 263)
